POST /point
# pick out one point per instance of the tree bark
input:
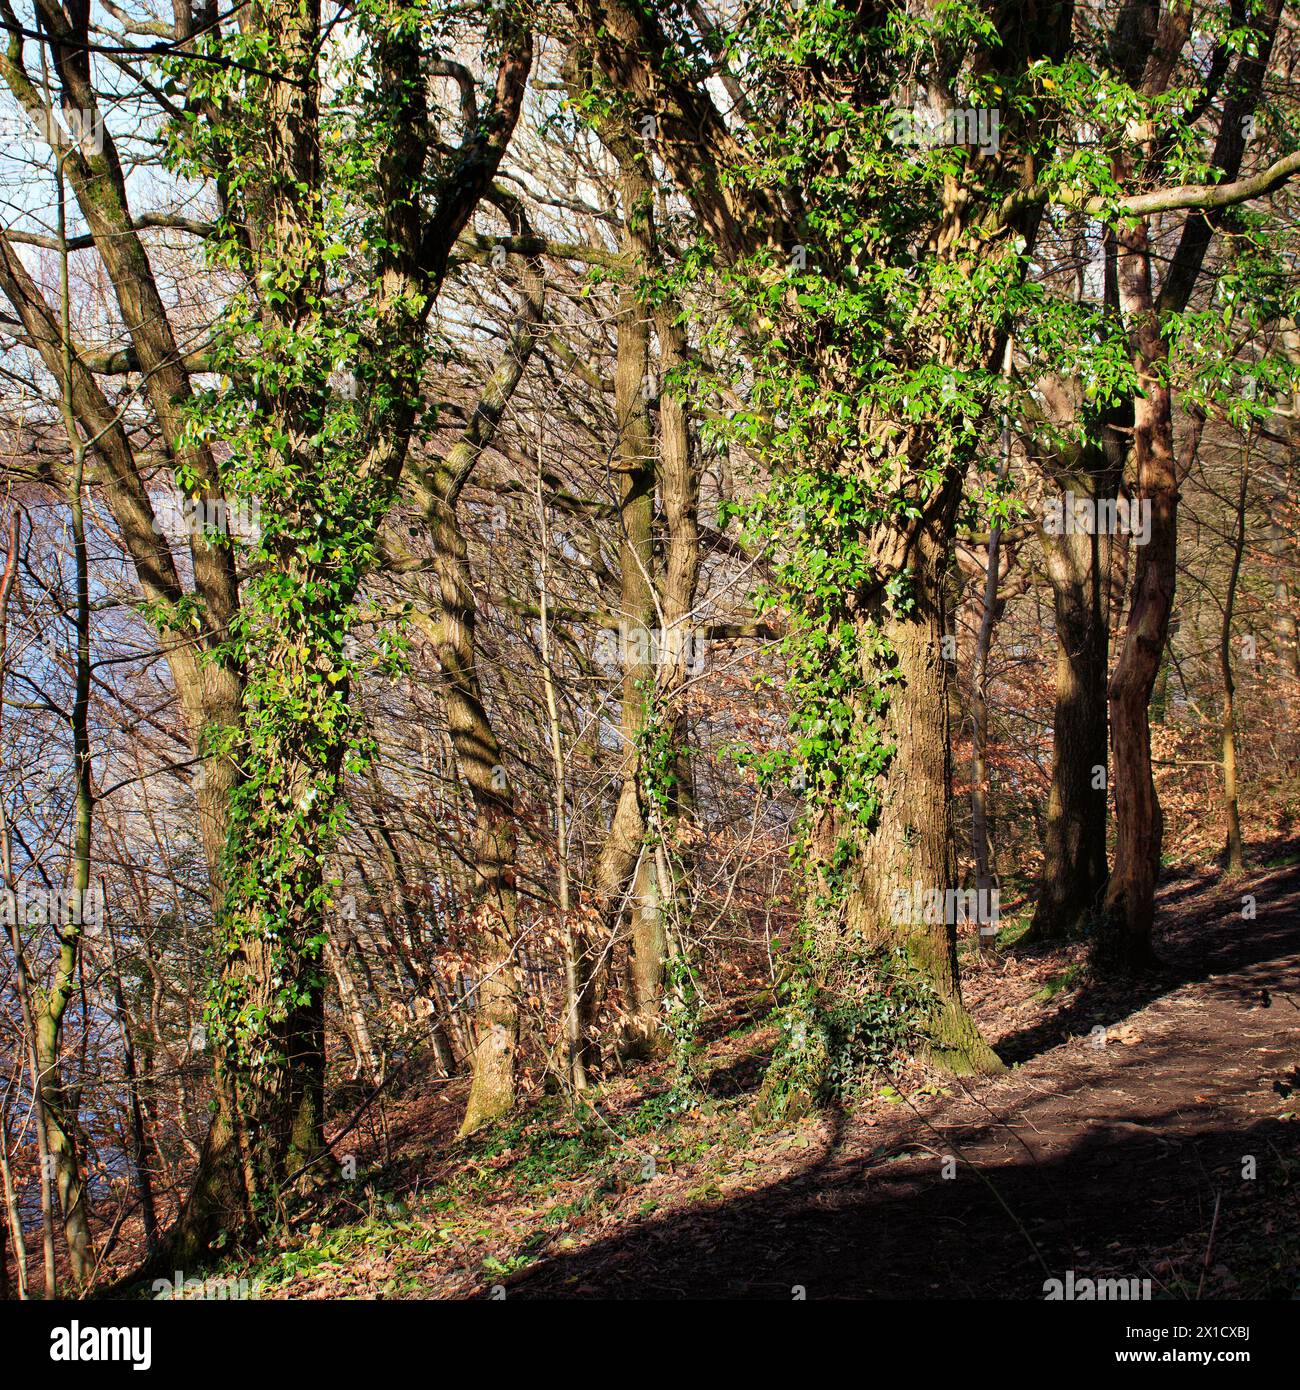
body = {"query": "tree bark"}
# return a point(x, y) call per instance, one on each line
point(620, 879)
point(979, 775)
point(474, 741)
point(1074, 867)
point(1231, 811)
point(1130, 895)
point(912, 839)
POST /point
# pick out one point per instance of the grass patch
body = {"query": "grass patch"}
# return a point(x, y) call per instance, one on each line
point(1069, 978)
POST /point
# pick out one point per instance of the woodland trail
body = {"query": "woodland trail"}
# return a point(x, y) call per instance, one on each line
point(1108, 1160)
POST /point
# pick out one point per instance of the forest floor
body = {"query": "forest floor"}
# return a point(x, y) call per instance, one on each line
point(1166, 1147)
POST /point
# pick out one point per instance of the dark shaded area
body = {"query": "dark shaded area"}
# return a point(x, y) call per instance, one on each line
point(898, 1229)
point(1215, 940)
point(1111, 1168)
point(740, 1077)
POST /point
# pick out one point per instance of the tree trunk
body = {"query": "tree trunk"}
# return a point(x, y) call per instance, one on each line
point(13, 1213)
point(639, 639)
point(139, 1137)
point(1130, 896)
point(575, 1059)
point(1074, 866)
point(1231, 812)
point(58, 1101)
point(979, 776)
point(911, 842)
point(479, 760)
point(340, 944)
point(478, 753)
point(682, 655)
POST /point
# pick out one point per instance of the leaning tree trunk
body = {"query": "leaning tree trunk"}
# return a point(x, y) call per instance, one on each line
point(480, 762)
point(477, 749)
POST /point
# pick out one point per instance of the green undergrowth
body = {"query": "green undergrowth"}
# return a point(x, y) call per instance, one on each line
point(845, 1026)
point(507, 1194)
point(1068, 979)
point(522, 1190)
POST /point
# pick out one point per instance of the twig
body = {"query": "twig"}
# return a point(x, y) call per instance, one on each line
point(1209, 1246)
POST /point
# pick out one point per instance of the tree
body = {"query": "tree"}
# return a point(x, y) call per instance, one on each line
point(325, 470)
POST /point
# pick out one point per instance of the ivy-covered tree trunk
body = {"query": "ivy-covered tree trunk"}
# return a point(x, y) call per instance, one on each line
point(872, 290)
point(320, 512)
point(294, 731)
point(910, 848)
point(266, 1016)
point(325, 467)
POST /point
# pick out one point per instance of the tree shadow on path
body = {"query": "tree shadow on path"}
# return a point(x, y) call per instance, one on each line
point(1110, 1165)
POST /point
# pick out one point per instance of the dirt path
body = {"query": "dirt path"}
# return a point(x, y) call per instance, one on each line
point(1105, 1159)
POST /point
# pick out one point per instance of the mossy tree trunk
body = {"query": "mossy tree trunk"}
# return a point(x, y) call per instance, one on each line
point(911, 841)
